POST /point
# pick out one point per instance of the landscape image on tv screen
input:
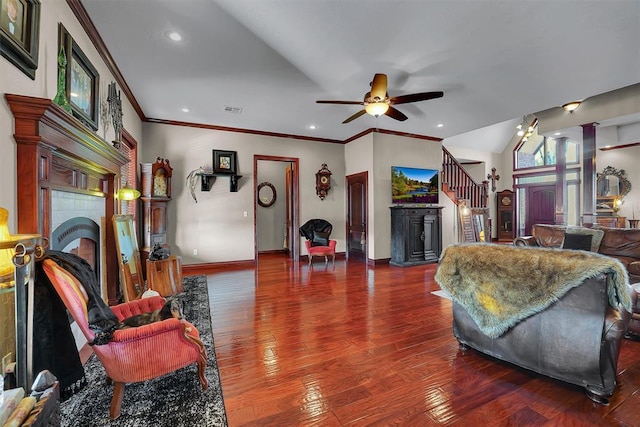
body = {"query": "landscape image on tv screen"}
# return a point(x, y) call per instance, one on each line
point(414, 185)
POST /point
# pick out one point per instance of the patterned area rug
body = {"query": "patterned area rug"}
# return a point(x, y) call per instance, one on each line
point(175, 399)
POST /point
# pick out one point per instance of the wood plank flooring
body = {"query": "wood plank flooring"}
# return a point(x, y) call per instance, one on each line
point(365, 345)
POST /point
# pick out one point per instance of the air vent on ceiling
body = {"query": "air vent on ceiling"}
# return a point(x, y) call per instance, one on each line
point(233, 110)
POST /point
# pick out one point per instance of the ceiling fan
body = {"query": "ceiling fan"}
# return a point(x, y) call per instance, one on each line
point(377, 102)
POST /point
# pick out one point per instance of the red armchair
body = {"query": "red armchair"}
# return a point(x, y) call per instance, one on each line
point(134, 354)
point(325, 251)
point(317, 232)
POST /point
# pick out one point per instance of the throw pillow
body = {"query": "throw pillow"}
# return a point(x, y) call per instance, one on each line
point(320, 239)
point(577, 241)
point(596, 238)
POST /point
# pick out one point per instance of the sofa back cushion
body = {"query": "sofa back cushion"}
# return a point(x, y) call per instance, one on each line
point(577, 241)
point(548, 235)
point(596, 235)
point(621, 242)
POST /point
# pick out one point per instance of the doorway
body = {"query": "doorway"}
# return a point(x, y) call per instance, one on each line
point(276, 218)
point(357, 216)
point(540, 206)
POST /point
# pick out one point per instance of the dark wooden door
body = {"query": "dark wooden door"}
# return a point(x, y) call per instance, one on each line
point(357, 216)
point(290, 233)
point(540, 205)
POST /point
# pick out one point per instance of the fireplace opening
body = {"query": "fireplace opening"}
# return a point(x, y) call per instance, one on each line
point(79, 236)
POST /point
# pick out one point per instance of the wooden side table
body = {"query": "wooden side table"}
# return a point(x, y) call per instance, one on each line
point(165, 276)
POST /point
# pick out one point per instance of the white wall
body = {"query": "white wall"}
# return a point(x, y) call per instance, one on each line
point(13, 81)
point(216, 225)
point(391, 150)
point(358, 157)
point(627, 159)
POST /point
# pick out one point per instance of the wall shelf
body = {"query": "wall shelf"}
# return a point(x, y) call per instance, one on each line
point(207, 180)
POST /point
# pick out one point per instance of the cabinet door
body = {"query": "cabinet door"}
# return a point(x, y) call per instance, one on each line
point(158, 218)
point(415, 237)
point(432, 245)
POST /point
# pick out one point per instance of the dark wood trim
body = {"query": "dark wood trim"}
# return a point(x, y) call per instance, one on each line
point(56, 151)
point(274, 252)
point(216, 267)
point(589, 173)
point(377, 262)
point(240, 130)
point(391, 132)
point(87, 24)
point(561, 180)
point(618, 147)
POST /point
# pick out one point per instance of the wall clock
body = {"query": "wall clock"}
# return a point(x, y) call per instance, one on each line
point(323, 181)
point(506, 200)
point(161, 172)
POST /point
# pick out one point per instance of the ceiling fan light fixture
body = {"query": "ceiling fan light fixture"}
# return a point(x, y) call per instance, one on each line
point(376, 109)
point(571, 106)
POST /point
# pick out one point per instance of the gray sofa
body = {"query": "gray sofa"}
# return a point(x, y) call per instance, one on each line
point(576, 339)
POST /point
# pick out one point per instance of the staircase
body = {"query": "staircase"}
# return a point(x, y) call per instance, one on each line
point(458, 185)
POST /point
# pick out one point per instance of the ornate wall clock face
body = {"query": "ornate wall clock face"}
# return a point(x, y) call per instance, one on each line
point(323, 181)
point(160, 183)
point(506, 201)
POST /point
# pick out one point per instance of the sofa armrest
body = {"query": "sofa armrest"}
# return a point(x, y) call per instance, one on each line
point(525, 241)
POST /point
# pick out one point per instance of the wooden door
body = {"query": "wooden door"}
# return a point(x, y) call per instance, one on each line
point(290, 233)
point(540, 206)
point(357, 216)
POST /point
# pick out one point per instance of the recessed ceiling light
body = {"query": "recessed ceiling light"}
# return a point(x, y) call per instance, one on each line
point(607, 146)
point(312, 127)
point(558, 133)
point(440, 125)
point(185, 110)
point(173, 35)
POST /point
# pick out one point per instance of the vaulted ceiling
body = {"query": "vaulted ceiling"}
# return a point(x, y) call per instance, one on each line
point(272, 59)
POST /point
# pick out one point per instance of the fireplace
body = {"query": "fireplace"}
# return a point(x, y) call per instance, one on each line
point(59, 158)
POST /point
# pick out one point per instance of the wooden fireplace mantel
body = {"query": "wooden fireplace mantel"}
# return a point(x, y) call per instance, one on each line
point(55, 151)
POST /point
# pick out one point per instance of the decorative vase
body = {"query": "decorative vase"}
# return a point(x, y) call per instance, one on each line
point(61, 95)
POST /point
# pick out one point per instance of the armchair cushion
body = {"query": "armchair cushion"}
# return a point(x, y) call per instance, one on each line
point(320, 239)
point(596, 235)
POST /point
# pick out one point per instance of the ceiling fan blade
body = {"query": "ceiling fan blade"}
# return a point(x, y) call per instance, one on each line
point(379, 86)
point(355, 116)
point(395, 114)
point(415, 97)
point(340, 102)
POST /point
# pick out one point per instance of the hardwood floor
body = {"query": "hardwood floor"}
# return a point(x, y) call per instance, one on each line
point(373, 346)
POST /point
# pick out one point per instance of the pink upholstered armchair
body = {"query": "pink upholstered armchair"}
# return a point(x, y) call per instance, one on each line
point(134, 354)
point(317, 232)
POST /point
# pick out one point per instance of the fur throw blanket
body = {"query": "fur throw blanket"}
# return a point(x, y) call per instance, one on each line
point(500, 285)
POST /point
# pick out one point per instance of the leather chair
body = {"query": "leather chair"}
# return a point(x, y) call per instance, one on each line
point(317, 232)
point(134, 354)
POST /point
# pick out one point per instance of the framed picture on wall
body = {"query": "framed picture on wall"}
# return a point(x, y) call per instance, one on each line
point(19, 33)
point(224, 162)
point(82, 81)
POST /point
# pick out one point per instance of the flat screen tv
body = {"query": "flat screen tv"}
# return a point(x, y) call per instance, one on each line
point(414, 185)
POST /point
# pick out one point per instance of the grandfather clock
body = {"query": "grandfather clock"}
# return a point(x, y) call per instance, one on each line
point(156, 194)
point(505, 214)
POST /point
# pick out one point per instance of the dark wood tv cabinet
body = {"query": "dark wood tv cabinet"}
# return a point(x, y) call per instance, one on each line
point(416, 235)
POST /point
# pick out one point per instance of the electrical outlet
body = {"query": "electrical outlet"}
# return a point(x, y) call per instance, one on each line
point(6, 360)
point(195, 252)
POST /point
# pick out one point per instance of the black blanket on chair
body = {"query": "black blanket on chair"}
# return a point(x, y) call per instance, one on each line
point(54, 346)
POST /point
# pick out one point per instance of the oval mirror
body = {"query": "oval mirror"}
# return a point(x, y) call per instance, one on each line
point(266, 194)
